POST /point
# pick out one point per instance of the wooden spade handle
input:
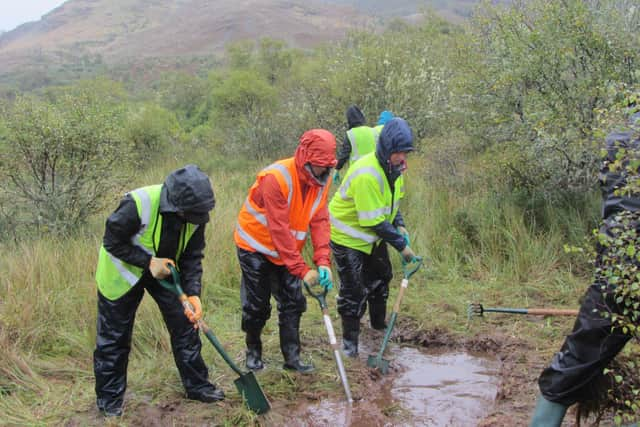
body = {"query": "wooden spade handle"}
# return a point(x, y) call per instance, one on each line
point(552, 312)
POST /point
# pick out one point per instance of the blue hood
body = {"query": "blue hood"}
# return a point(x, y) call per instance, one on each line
point(385, 116)
point(396, 136)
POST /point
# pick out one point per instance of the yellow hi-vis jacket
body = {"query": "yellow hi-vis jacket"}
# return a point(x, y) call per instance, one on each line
point(114, 276)
point(363, 200)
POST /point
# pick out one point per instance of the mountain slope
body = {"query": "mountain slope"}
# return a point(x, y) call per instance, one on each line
point(123, 29)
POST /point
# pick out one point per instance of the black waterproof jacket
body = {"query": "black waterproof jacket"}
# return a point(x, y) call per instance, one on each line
point(185, 190)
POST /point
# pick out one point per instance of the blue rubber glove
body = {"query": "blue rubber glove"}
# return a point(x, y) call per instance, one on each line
point(405, 234)
point(336, 177)
point(408, 256)
point(325, 279)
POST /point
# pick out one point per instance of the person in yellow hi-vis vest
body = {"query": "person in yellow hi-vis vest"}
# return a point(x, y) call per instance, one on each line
point(359, 141)
point(365, 217)
point(152, 228)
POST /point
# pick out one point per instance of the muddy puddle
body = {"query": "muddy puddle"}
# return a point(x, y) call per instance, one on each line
point(423, 388)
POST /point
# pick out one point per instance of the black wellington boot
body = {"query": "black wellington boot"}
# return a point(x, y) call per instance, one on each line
point(209, 393)
point(350, 332)
point(290, 346)
point(377, 314)
point(254, 351)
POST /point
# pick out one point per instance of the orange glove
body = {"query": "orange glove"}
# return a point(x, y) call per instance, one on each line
point(196, 314)
point(159, 267)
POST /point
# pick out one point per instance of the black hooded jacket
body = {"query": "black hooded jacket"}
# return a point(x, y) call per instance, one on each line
point(355, 118)
point(186, 189)
point(611, 180)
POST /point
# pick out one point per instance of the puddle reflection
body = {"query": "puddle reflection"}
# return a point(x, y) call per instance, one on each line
point(431, 389)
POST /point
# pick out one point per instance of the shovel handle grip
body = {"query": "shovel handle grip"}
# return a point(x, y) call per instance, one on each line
point(320, 296)
point(409, 268)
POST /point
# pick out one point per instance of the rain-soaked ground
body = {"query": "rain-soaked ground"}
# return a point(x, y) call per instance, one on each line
point(422, 388)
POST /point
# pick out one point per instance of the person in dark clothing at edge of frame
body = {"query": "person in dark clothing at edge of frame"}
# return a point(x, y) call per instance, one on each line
point(287, 202)
point(360, 139)
point(576, 370)
point(365, 216)
point(152, 228)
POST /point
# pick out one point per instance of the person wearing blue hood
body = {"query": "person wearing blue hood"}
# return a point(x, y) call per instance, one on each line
point(152, 228)
point(365, 217)
point(385, 116)
point(360, 140)
point(575, 373)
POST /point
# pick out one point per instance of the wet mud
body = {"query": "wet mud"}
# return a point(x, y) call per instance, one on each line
point(435, 379)
point(435, 388)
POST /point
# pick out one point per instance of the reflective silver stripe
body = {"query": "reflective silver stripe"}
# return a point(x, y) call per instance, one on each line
point(367, 169)
point(299, 235)
point(354, 147)
point(254, 213)
point(374, 214)
point(145, 219)
point(287, 177)
point(131, 278)
point(316, 202)
point(352, 232)
point(254, 244)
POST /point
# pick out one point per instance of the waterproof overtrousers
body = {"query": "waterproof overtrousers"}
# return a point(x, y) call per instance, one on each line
point(377, 315)
point(113, 343)
point(290, 345)
point(547, 413)
point(254, 350)
point(350, 332)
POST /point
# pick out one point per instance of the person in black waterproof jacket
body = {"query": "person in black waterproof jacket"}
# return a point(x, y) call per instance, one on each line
point(152, 228)
point(576, 371)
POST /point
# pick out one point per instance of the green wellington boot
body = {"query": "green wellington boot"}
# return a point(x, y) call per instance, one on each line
point(547, 414)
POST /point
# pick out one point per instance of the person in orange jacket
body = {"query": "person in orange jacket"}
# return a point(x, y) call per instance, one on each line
point(287, 202)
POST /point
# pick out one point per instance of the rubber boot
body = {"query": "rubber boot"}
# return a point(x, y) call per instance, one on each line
point(254, 351)
point(350, 332)
point(290, 346)
point(547, 414)
point(111, 408)
point(377, 314)
point(207, 394)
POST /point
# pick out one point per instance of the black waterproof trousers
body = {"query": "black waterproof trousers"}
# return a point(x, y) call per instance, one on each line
point(576, 371)
point(363, 279)
point(113, 344)
point(260, 279)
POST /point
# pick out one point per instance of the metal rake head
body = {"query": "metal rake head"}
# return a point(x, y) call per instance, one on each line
point(475, 309)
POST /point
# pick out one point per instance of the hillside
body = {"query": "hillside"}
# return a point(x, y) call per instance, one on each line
point(83, 36)
point(123, 29)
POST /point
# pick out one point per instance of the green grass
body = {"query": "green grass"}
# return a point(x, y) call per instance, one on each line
point(477, 249)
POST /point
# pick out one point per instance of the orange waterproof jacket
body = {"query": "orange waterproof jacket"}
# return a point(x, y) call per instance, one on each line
point(285, 202)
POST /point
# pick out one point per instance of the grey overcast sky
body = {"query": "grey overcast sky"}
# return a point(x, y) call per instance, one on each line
point(16, 12)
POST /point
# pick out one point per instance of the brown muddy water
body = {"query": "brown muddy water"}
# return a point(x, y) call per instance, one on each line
point(423, 388)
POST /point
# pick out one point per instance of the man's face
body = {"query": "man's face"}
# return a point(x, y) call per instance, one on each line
point(398, 161)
